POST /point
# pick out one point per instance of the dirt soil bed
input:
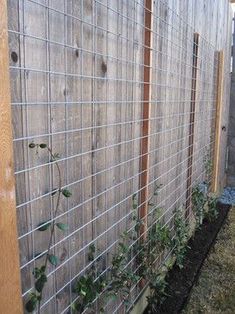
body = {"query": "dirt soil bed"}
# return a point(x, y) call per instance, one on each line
point(181, 281)
point(214, 292)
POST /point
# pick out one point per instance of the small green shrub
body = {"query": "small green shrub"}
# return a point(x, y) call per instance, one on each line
point(199, 199)
point(157, 285)
point(89, 285)
point(212, 210)
point(180, 240)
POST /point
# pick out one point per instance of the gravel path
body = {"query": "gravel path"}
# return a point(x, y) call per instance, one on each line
point(228, 196)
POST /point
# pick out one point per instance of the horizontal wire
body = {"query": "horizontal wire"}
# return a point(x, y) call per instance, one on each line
point(89, 128)
point(100, 235)
point(176, 28)
point(132, 228)
point(111, 168)
point(101, 148)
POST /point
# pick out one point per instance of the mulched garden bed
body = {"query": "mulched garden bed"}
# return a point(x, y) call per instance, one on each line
point(181, 281)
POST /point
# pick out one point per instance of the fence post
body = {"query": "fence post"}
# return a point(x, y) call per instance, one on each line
point(145, 141)
point(10, 289)
point(192, 123)
point(219, 102)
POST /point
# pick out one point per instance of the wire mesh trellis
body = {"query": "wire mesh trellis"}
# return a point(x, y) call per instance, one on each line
point(77, 85)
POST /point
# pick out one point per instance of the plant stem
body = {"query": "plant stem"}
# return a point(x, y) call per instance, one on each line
point(54, 216)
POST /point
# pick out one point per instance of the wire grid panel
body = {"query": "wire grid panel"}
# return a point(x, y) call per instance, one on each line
point(79, 79)
point(77, 85)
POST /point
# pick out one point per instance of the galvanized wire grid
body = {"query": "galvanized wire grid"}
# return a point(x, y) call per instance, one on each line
point(77, 85)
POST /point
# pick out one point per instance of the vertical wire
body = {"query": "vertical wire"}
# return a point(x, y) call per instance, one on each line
point(94, 115)
point(106, 120)
point(27, 126)
point(66, 5)
point(127, 85)
point(70, 215)
point(82, 99)
point(96, 107)
point(134, 27)
point(49, 112)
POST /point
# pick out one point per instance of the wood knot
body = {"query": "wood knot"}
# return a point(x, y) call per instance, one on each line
point(14, 56)
point(65, 92)
point(77, 53)
point(104, 67)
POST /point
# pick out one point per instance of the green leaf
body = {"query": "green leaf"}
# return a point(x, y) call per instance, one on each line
point(31, 304)
point(66, 193)
point(53, 259)
point(36, 272)
point(126, 302)
point(43, 269)
point(134, 201)
point(62, 226)
point(111, 297)
point(32, 145)
point(43, 226)
point(83, 292)
point(39, 284)
point(134, 196)
point(92, 248)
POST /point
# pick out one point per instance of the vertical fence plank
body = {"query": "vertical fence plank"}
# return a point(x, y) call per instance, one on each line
point(219, 103)
point(146, 115)
point(192, 122)
point(10, 291)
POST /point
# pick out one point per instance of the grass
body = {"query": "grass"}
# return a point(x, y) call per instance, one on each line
point(215, 291)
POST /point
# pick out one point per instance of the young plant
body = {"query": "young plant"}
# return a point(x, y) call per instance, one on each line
point(39, 273)
point(199, 199)
point(208, 164)
point(158, 240)
point(122, 276)
point(180, 240)
point(89, 285)
point(163, 236)
point(157, 285)
point(212, 211)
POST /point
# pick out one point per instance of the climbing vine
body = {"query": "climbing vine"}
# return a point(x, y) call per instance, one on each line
point(40, 273)
point(89, 285)
point(135, 253)
point(212, 210)
point(208, 165)
point(203, 200)
point(199, 199)
point(181, 237)
point(135, 256)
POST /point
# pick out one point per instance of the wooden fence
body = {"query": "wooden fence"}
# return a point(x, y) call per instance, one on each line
point(132, 96)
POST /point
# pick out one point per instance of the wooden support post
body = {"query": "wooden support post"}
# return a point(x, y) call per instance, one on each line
point(219, 105)
point(145, 143)
point(191, 123)
point(10, 289)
